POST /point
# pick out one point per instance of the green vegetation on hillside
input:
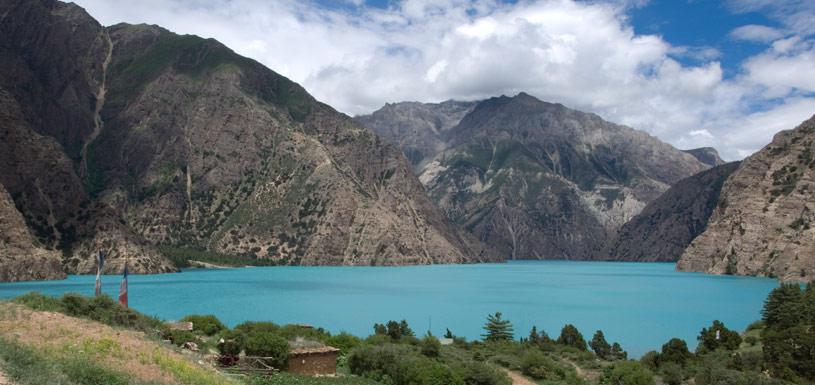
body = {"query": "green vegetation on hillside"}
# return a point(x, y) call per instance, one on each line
point(777, 350)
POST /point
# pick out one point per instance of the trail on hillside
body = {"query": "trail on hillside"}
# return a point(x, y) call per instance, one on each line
point(518, 378)
point(3, 379)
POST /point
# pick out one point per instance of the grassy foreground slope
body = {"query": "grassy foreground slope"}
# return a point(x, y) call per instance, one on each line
point(41, 347)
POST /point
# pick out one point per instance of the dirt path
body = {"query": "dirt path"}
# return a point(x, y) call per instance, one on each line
point(4, 380)
point(518, 378)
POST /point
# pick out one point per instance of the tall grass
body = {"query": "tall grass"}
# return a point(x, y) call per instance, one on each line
point(27, 366)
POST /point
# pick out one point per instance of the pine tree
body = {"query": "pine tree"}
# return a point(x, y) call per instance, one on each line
point(782, 307)
point(617, 352)
point(497, 329)
point(448, 333)
point(405, 330)
point(570, 336)
point(394, 330)
point(534, 338)
point(600, 346)
point(380, 329)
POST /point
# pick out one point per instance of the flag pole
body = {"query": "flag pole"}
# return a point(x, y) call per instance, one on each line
point(123, 286)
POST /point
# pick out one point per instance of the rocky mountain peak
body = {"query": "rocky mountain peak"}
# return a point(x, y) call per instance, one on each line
point(538, 179)
point(706, 155)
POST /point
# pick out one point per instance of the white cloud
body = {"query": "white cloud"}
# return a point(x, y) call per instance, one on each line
point(582, 54)
point(756, 33)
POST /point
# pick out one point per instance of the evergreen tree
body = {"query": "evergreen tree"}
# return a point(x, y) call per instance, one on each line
point(718, 336)
point(448, 333)
point(497, 329)
point(394, 330)
point(534, 338)
point(676, 351)
point(617, 352)
point(405, 330)
point(782, 307)
point(380, 329)
point(600, 346)
point(570, 336)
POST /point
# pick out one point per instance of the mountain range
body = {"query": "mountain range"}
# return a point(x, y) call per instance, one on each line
point(128, 138)
point(536, 180)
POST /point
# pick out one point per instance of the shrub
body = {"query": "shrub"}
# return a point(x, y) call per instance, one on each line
point(231, 343)
point(437, 374)
point(399, 364)
point(478, 373)
point(206, 324)
point(650, 360)
point(250, 326)
point(627, 373)
point(672, 373)
point(180, 337)
point(675, 351)
point(570, 336)
point(263, 343)
point(101, 309)
point(430, 346)
point(39, 302)
point(344, 341)
point(536, 365)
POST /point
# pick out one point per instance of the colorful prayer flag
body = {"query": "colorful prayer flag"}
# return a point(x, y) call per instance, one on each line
point(100, 262)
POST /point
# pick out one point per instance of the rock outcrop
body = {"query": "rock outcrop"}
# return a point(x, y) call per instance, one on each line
point(539, 180)
point(662, 231)
point(706, 155)
point(20, 258)
point(130, 136)
point(763, 222)
point(418, 129)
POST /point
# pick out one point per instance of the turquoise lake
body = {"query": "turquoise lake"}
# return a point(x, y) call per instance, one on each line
point(640, 305)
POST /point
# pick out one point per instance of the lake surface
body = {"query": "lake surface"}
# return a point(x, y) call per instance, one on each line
point(640, 305)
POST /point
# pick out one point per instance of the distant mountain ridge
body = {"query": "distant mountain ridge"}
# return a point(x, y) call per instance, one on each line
point(130, 136)
point(667, 225)
point(537, 180)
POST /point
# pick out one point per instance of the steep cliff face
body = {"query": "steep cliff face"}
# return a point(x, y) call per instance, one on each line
point(762, 224)
point(20, 258)
point(539, 180)
point(132, 136)
point(662, 231)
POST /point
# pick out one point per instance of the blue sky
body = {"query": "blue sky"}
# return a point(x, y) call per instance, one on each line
point(727, 74)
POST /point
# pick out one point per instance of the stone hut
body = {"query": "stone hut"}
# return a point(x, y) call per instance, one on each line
point(313, 361)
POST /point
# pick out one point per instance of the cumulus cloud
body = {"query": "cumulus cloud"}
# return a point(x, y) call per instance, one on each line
point(582, 54)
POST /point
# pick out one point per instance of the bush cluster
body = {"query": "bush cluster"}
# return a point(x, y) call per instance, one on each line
point(101, 309)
